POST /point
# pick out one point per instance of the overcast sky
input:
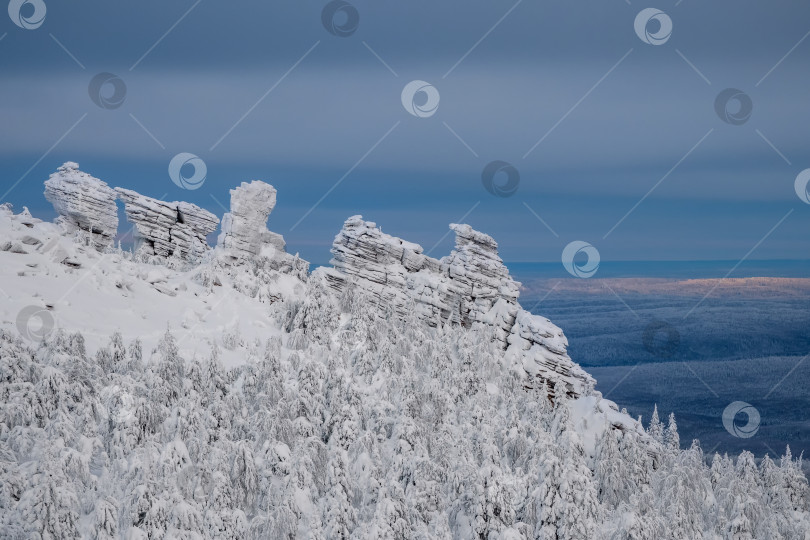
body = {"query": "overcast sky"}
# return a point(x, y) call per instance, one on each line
point(262, 90)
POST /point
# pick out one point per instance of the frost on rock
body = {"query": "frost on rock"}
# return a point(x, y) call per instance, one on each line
point(245, 236)
point(83, 203)
point(167, 229)
point(392, 396)
point(470, 287)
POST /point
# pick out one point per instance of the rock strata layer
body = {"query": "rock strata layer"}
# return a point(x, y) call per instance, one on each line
point(83, 203)
point(471, 286)
point(166, 229)
point(244, 228)
point(245, 236)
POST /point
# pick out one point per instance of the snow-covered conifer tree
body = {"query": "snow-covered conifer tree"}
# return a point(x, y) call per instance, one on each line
point(671, 438)
point(656, 429)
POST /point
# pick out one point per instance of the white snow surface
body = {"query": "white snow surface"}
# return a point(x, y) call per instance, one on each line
point(98, 294)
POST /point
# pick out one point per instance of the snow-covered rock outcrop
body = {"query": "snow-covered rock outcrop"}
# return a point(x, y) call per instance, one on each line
point(471, 286)
point(245, 236)
point(141, 402)
point(225, 398)
point(83, 203)
point(476, 266)
point(391, 270)
point(167, 229)
point(244, 228)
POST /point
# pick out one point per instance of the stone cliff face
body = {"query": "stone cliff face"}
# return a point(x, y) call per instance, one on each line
point(83, 203)
point(471, 286)
point(245, 237)
point(173, 229)
point(244, 228)
point(167, 229)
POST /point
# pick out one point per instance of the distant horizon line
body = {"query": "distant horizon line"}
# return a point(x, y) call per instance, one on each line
point(734, 261)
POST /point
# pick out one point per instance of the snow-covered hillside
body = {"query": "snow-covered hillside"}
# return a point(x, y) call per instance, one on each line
point(184, 391)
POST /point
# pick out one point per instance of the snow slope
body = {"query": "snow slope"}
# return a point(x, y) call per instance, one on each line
point(79, 289)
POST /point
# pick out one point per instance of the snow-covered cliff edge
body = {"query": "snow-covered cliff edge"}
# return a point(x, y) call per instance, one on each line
point(470, 287)
point(226, 392)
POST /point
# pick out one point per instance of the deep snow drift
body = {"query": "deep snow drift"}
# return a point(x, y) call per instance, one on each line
point(184, 391)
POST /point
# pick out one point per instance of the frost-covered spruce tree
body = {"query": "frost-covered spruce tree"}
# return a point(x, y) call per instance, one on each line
point(339, 514)
point(244, 476)
point(569, 507)
point(682, 491)
point(611, 475)
point(794, 481)
point(48, 508)
point(105, 524)
point(655, 429)
point(671, 439)
point(638, 462)
point(309, 406)
point(744, 499)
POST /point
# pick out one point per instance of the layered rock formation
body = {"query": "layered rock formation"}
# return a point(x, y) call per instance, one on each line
point(175, 229)
point(245, 235)
point(166, 229)
point(244, 228)
point(83, 203)
point(471, 286)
